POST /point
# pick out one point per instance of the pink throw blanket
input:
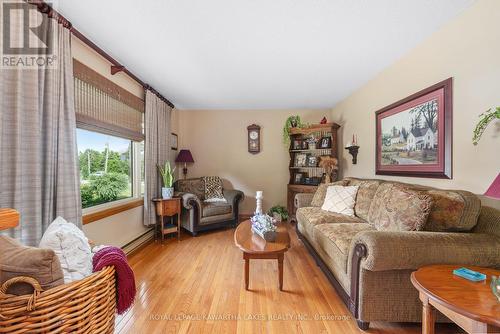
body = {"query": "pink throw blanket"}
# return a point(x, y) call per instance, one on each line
point(125, 281)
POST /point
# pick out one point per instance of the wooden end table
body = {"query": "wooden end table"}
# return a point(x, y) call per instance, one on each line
point(255, 247)
point(168, 208)
point(471, 305)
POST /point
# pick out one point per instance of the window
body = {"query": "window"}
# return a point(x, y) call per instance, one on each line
point(110, 137)
point(107, 168)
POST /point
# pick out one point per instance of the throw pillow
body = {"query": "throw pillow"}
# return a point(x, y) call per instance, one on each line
point(364, 198)
point(319, 195)
point(340, 199)
point(213, 189)
point(399, 208)
point(71, 247)
point(18, 260)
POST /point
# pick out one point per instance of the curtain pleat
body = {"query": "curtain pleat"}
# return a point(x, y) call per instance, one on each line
point(156, 150)
point(39, 173)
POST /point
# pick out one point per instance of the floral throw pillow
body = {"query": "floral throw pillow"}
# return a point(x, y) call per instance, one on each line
point(399, 208)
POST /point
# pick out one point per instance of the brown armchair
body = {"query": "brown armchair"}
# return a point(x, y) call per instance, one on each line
point(198, 215)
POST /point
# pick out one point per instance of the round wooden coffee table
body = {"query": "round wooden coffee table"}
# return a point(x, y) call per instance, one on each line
point(254, 247)
point(471, 305)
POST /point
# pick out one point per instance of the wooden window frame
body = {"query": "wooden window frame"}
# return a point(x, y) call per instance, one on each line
point(104, 210)
point(111, 210)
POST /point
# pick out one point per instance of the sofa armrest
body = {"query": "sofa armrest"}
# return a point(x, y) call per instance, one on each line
point(233, 197)
point(411, 250)
point(303, 199)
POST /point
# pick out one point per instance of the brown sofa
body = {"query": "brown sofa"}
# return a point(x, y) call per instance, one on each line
point(370, 269)
point(198, 215)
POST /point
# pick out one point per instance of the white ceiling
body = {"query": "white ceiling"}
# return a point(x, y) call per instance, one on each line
point(257, 54)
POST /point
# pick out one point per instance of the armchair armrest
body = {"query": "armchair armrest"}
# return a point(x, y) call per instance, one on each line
point(303, 199)
point(189, 201)
point(233, 196)
point(410, 250)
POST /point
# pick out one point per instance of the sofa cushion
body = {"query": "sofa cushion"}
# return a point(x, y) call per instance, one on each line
point(364, 198)
point(453, 210)
point(396, 207)
point(193, 186)
point(310, 216)
point(215, 208)
point(319, 195)
point(335, 240)
point(18, 260)
point(315, 216)
point(340, 199)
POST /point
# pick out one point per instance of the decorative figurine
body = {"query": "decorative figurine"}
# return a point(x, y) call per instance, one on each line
point(263, 225)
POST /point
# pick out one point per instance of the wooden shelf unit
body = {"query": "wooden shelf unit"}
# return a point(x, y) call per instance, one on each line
point(301, 134)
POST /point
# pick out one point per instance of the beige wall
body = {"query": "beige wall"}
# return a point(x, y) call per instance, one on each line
point(89, 57)
point(218, 142)
point(467, 49)
point(120, 229)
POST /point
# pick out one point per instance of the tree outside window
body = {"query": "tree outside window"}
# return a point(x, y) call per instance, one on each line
point(105, 167)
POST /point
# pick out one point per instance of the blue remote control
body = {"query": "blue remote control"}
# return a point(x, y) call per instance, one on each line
point(470, 275)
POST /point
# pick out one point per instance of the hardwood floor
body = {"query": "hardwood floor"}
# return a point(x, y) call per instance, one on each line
point(197, 286)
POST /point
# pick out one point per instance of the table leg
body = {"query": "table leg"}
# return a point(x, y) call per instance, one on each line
point(156, 228)
point(161, 228)
point(178, 226)
point(247, 271)
point(280, 269)
point(428, 317)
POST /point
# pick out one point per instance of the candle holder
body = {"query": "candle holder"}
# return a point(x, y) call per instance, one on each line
point(353, 150)
point(258, 197)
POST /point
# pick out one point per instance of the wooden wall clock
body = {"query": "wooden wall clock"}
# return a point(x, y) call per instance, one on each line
point(253, 138)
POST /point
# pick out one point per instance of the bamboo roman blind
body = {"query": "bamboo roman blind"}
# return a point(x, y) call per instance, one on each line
point(105, 107)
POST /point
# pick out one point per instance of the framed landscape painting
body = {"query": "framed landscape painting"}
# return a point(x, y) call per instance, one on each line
point(414, 135)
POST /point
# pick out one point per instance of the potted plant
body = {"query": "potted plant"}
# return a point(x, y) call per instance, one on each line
point(278, 212)
point(486, 118)
point(167, 175)
point(291, 122)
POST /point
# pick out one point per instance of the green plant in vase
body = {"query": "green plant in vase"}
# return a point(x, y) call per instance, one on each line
point(167, 175)
point(291, 122)
point(485, 119)
point(278, 211)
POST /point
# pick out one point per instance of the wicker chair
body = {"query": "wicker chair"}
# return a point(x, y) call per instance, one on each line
point(84, 306)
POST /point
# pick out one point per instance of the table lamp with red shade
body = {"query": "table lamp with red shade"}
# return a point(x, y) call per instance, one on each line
point(494, 189)
point(185, 157)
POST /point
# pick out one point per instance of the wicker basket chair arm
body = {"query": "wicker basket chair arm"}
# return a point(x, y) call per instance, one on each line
point(84, 306)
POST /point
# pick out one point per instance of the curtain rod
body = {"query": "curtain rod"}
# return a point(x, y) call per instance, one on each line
point(45, 8)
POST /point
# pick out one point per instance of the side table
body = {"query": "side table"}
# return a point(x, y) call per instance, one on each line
point(168, 208)
point(471, 305)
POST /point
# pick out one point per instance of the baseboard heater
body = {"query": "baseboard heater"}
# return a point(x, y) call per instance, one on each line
point(138, 242)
